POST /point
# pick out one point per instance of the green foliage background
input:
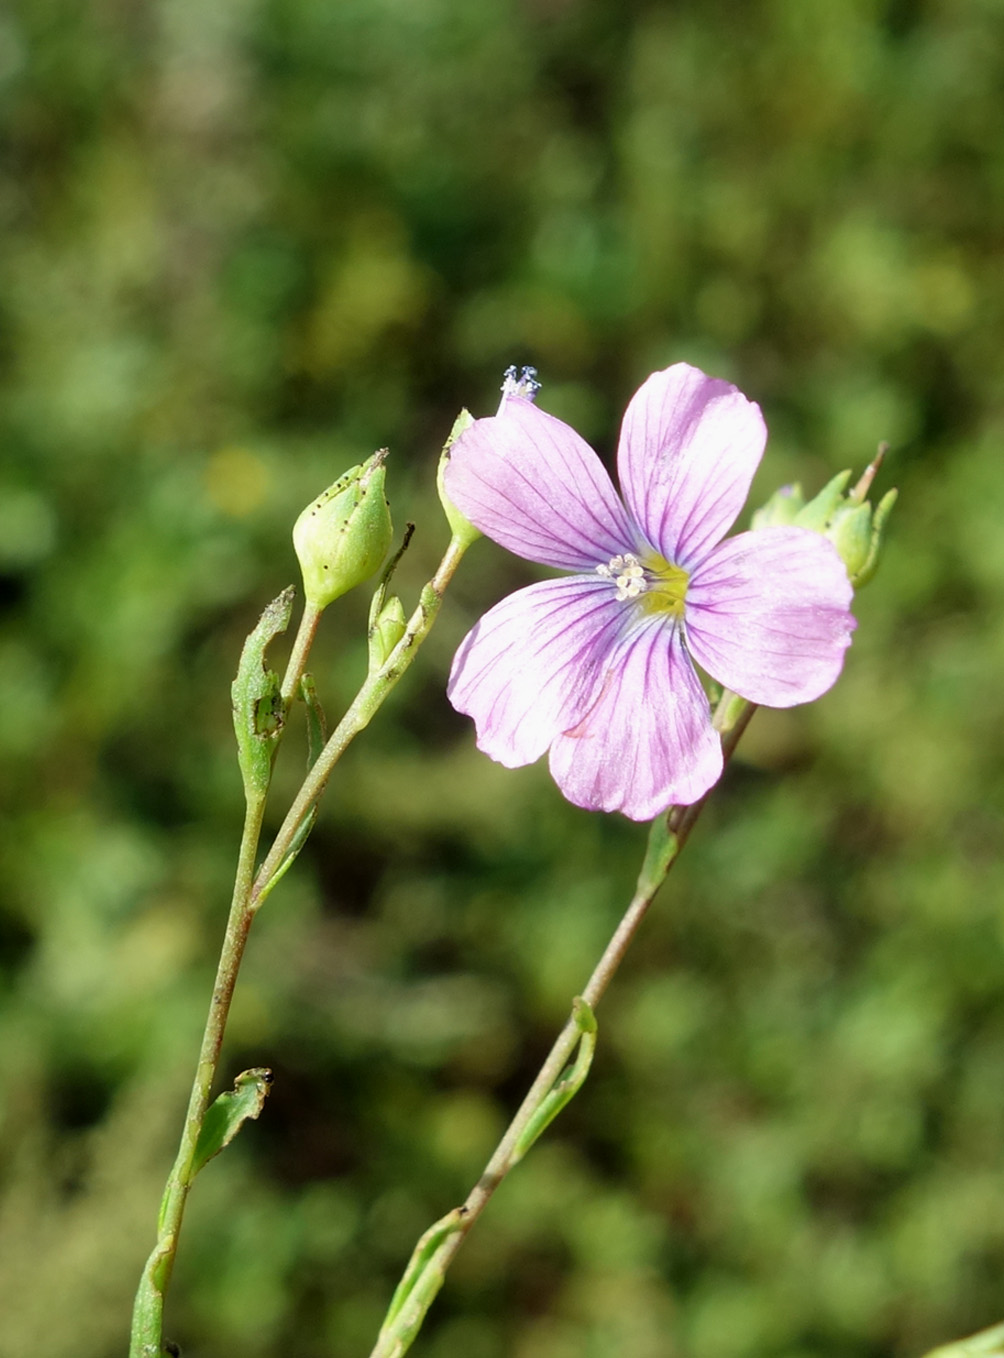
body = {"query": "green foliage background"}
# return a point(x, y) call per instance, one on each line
point(243, 244)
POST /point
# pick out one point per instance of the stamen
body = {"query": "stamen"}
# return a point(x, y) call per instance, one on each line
point(524, 386)
point(627, 573)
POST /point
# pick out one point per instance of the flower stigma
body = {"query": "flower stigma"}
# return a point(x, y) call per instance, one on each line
point(664, 584)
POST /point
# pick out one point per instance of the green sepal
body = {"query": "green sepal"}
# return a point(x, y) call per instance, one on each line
point(844, 516)
point(818, 512)
point(728, 710)
point(226, 1115)
point(882, 511)
point(850, 531)
point(781, 509)
point(257, 700)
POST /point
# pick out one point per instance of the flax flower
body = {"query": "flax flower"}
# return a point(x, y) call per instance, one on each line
point(598, 667)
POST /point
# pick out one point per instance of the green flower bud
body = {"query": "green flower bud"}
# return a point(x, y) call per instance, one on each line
point(780, 509)
point(845, 517)
point(460, 527)
point(386, 630)
point(859, 541)
point(850, 531)
point(818, 513)
point(342, 538)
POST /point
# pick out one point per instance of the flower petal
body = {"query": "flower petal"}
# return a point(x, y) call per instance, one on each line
point(531, 484)
point(688, 449)
point(767, 615)
point(646, 742)
point(527, 670)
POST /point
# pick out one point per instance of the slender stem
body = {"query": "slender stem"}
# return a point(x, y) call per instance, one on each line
point(301, 649)
point(149, 1307)
point(360, 713)
point(732, 716)
point(680, 821)
point(147, 1330)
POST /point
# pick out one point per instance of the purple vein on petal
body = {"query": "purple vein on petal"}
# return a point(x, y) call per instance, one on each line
point(526, 670)
point(646, 739)
point(689, 447)
point(530, 483)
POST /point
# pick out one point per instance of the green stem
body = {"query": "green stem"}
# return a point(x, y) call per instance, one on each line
point(364, 707)
point(147, 1330)
point(438, 1247)
point(301, 649)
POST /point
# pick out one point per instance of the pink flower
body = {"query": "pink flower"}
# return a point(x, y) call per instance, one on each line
point(597, 667)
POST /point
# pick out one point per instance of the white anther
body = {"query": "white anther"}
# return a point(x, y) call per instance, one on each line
point(627, 573)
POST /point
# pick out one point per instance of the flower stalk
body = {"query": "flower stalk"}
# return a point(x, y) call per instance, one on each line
point(261, 705)
point(306, 632)
point(360, 713)
point(554, 1085)
point(148, 1311)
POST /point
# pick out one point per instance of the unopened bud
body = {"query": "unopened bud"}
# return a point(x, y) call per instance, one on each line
point(386, 630)
point(343, 536)
point(819, 512)
point(780, 509)
point(461, 528)
point(862, 540)
point(850, 531)
point(845, 517)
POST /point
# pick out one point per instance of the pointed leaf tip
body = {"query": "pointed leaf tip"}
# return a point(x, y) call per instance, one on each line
point(227, 1114)
point(257, 698)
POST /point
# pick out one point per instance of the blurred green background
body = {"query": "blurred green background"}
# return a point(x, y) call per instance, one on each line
point(243, 243)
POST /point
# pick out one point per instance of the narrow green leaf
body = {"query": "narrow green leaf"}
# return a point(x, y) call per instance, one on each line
point(417, 1290)
point(257, 700)
point(227, 1114)
point(663, 846)
point(566, 1086)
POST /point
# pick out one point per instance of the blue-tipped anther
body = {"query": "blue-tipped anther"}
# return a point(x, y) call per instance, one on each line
point(525, 385)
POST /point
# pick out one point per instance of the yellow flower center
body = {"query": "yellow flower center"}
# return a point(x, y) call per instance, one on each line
point(661, 586)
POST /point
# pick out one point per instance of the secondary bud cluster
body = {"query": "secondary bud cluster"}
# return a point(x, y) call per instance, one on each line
point(854, 526)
